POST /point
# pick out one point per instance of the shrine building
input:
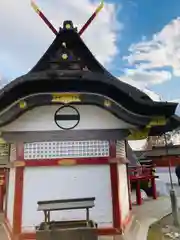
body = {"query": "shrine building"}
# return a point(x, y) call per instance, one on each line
point(67, 122)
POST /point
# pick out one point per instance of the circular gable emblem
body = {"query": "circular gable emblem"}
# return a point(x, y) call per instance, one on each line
point(67, 117)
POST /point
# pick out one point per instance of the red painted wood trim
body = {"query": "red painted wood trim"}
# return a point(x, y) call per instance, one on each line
point(2, 189)
point(6, 191)
point(115, 195)
point(128, 179)
point(1, 198)
point(100, 231)
point(56, 162)
point(18, 197)
point(129, 188)
point(115, 188)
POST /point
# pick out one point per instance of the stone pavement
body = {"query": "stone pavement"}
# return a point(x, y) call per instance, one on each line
point(145, 215)
point(3, 235)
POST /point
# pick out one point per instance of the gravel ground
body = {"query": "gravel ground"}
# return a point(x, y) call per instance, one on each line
point(164, 229)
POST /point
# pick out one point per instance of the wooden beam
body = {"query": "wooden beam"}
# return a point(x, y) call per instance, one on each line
point(78, 135)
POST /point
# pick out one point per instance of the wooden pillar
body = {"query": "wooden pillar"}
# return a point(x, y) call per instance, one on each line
point(128, 179)
point(6, 186)
point(18, 195)
point(115, 187)
point(2, 182)
point(129, 188)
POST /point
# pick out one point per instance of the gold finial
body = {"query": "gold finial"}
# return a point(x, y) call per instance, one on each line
point(22, 104)
point(107, 103)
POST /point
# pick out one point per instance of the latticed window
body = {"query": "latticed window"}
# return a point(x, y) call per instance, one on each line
point(67, 149)
point(4, 149)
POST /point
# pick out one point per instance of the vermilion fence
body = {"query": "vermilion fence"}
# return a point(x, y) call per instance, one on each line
point(141, 173)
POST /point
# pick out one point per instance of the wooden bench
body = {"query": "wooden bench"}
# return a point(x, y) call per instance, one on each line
point(65, 204)
point(66, 230)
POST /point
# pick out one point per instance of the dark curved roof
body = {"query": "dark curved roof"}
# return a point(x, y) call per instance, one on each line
point(172, 123)
point(79, 72)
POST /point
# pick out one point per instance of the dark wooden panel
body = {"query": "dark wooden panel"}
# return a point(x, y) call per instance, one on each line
point(79, 135)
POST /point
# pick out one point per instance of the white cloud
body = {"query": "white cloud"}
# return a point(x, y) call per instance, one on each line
point(148, 58)
point(25, 37)
point(144, 77)
point(3, 82)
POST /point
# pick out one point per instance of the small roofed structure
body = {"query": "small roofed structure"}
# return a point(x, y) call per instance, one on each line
point(67, 122)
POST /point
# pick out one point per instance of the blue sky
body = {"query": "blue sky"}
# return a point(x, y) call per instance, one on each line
point(144, 18)
point(144, 50)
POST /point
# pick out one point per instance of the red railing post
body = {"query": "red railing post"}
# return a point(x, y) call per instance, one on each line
point(143, 173)
point(138, 192)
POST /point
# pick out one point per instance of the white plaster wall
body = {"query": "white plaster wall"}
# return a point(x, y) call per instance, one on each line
point(123, 191)
point(42, 119)
point(163, 173)
point(50, 183)
point(10, 196)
